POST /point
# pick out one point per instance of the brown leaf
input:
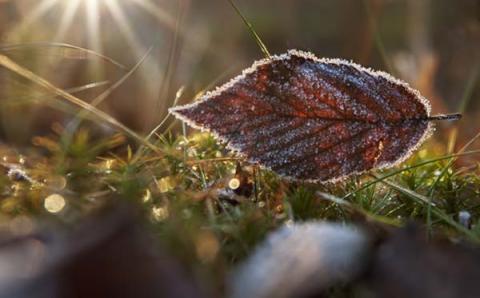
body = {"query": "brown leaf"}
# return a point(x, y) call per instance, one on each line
point(314, 119)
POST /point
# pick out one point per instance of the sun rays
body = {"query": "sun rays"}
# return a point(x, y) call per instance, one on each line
point(124, 29)
point(66, 20)
point(90, 14)
point(124, 26)
point(93, 25)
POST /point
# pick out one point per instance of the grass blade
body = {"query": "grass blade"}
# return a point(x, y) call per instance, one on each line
point(27, 74)
point(436, 211)
point(73, 125)
point(257, 38)
point(13, 47)
point(380, 179)
point(378, 39)
point(33, 99)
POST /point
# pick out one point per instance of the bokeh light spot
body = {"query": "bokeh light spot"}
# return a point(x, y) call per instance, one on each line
point(234, 183)
point(54, 203)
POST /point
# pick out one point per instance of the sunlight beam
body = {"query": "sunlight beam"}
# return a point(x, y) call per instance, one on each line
point(122, 21)
point(66, 20)
point(92, 13)
point(35, 14)
point(157, 12)
point(93, 27)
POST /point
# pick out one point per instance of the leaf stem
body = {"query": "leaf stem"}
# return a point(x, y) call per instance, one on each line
point(448, 117)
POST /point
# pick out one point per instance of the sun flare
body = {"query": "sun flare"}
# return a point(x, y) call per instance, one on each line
point(93, 13)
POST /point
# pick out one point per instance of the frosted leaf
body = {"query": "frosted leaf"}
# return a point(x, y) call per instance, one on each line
point(314, 119)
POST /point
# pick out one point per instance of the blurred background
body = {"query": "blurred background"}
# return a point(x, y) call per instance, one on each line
point(195, 45)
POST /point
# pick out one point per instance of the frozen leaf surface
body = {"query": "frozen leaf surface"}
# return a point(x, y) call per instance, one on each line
point(314, 119)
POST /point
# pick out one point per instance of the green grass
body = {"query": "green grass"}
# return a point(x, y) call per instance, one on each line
point(183, 191)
